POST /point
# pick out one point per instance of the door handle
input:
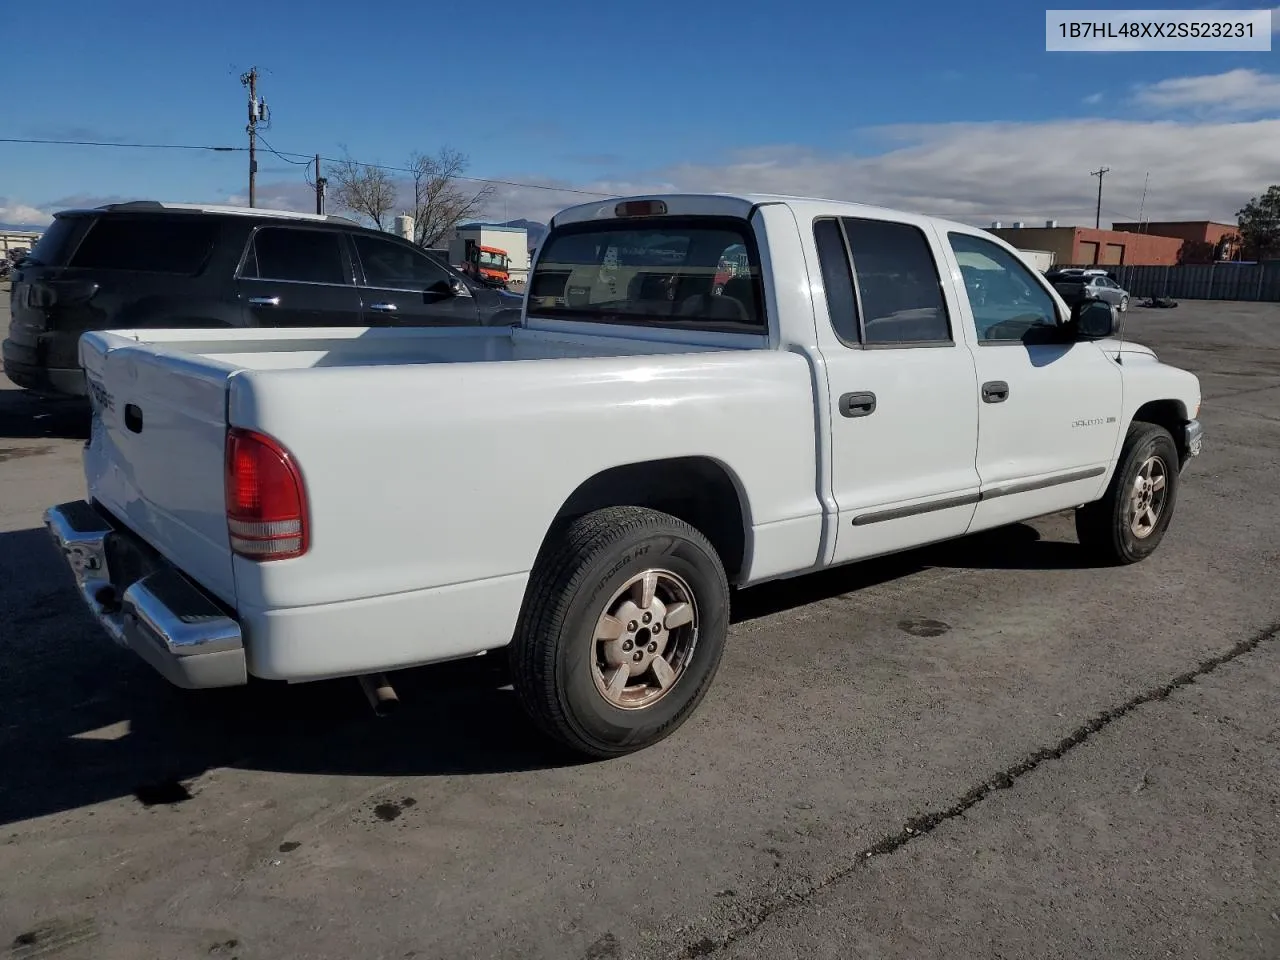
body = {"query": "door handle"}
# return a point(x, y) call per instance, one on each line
point(265, 301)
point(857, 404)
point(384, 307)
point(995, 391)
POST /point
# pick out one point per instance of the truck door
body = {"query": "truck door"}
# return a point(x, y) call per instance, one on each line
point(1048, 411)
point(901, 387)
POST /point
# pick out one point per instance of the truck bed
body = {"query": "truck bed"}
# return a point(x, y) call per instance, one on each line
point(433, 460)
point(276, 349)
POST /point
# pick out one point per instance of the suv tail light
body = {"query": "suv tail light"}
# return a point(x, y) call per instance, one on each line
point(266, 504)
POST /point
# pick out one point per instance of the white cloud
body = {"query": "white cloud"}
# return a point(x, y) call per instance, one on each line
point(979, 172)
point(23, 214)
point(974, 172)
point(1240, 91)
point(1093, 98)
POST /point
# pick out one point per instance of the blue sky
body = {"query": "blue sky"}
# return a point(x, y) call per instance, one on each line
point(947, 108)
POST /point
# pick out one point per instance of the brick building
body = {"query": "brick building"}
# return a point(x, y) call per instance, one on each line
point(1203, 241)
point(1080, 246)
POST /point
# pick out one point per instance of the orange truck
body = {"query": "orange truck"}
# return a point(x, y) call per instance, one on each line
point(486, 264)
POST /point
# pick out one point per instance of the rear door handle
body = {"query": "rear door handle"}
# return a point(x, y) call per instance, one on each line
point(995, 391)
point(265, 301)
point(383, 307)
point(857, 404)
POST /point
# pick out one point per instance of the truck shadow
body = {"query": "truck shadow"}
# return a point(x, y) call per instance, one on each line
point(82, 721)
point(1016, 547)
point(24, 416)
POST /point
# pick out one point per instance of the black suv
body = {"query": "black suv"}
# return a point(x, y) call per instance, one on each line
point(149, 264)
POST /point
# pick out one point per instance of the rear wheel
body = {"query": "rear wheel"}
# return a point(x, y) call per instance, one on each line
point(1130, 520)
point(622, 632)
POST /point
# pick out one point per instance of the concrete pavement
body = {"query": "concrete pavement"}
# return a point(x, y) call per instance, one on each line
point(1086, 758)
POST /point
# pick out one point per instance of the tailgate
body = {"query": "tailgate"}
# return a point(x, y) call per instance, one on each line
point(155, 454)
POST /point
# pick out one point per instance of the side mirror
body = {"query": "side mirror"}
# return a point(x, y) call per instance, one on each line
point(1093, 319)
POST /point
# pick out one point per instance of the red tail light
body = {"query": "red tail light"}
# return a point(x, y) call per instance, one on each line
point(266, 504)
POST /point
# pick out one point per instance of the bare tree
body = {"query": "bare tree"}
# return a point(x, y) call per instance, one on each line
point(439, 201)
point(366, 190)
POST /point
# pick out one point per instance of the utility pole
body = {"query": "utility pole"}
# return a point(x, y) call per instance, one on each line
point(1097, 220)
point(257, 114)
point(1142, 205)
point(321, 183)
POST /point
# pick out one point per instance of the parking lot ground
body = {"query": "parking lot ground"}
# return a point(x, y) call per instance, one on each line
point(981, 749)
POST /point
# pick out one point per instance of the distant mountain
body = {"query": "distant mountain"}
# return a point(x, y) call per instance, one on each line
point(537, 231)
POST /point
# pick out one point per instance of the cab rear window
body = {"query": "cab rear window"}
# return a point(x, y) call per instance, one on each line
point(698, 272)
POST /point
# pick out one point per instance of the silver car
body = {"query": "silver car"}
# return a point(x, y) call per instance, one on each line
point(1089, 285)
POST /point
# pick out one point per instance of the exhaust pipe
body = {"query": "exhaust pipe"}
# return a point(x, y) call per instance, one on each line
point(382, 696)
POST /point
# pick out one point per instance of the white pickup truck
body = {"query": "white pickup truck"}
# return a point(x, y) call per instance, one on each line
point(704, 392)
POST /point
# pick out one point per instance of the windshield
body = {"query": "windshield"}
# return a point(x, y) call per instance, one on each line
point(496, 260)
point(697, 272)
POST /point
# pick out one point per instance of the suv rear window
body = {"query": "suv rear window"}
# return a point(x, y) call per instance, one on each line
point(694, 272)
point(178, 244)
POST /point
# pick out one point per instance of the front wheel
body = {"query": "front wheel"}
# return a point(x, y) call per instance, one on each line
point(1130, 520)
point(624, 623)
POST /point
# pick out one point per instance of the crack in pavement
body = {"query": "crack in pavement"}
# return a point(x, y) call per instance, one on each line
point(1239, 393)
point(751, 917)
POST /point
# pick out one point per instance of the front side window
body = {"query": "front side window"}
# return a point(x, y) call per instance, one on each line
point(395, 266)
point(302, 256)
point(652, 271)
point(1008, 304)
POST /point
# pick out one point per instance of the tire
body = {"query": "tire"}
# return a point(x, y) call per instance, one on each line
point(1107, 528)
point(575, 672)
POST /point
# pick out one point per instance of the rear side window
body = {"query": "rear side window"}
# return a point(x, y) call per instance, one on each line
point(55, 244)
point(893, 295)
point(179, 244)
point(303, 256)
point(687, 272)
point(837, 280)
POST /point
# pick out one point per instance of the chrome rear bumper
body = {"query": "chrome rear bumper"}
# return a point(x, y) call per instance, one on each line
point(147, 605)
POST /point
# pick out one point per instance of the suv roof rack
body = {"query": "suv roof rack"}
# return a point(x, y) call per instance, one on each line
point(143, 205)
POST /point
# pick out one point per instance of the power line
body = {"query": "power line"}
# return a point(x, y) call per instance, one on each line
point(271, 149)
point(116, 143)
point(285, 154)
